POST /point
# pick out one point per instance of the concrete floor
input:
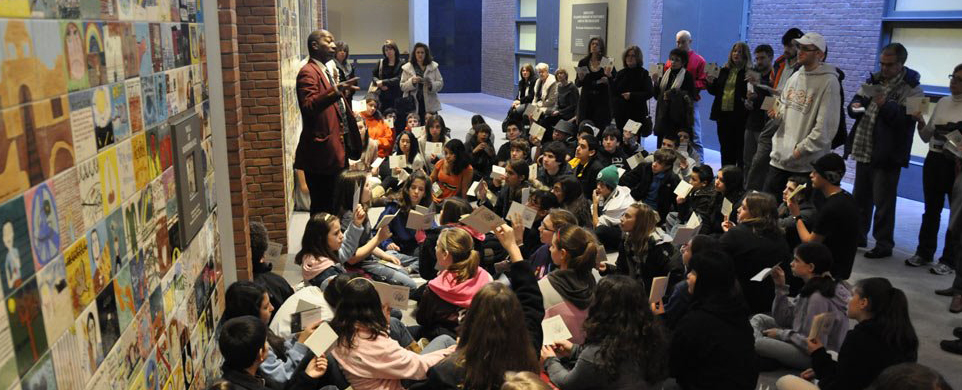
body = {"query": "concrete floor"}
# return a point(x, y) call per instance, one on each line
point(929, 312)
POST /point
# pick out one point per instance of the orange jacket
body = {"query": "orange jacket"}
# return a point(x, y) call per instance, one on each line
point(379, 131)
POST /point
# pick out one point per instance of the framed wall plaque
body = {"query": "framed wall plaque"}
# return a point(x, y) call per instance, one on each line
point(186, 131)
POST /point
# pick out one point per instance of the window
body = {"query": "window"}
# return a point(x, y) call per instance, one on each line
point(930, 31)
point(528, 8)
point(927, 5)
point(527, 37)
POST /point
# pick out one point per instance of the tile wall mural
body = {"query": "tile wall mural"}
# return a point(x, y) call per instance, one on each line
point(102, 288)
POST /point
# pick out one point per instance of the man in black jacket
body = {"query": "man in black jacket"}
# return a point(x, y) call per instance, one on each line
point(654, 183)
point(757, 117)
point(881, 142)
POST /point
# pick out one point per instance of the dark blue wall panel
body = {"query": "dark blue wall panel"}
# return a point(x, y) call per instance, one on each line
point(455, 41)
point(547, 45)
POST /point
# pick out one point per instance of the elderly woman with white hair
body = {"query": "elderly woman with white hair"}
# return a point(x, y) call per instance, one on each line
point(545, 89)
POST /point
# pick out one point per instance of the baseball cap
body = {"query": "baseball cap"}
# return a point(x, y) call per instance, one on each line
point(565, 127)
point(813, 38)
point(609, 176)
point(830, 166)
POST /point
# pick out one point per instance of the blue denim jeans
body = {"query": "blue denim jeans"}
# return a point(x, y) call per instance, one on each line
point(388, 274)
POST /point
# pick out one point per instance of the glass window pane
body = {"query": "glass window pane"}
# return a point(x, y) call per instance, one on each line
point(928, 5)
point(928, 52)
point(527, 37)
point(528, 8)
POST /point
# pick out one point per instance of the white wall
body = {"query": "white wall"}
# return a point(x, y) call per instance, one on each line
point(365, 24)
point(617, 11)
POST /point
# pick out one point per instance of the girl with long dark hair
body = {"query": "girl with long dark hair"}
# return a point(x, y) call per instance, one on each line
point(321, 251)
point(883, 337)
point(387, 77)
point(421, 79)
point(624, 343)
point(413, 193)
point(435, 131)
point(821, 294)
point(570, 194)
point(452, 174)
point(481, 147)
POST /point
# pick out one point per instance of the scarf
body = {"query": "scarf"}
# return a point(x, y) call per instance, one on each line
point(312, 266)
point(862, 145)
point(572, 287)
point(446, 286)
point(676, 84)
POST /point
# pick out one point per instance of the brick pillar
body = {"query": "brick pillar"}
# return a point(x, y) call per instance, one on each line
point(234, 122)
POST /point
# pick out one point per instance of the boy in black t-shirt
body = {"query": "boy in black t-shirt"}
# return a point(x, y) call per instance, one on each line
point(611, 152)
point(837, 220)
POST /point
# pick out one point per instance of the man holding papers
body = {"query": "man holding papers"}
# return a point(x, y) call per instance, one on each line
point(881, 143)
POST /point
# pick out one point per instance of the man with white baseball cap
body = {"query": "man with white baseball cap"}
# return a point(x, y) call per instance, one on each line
point(809, 109)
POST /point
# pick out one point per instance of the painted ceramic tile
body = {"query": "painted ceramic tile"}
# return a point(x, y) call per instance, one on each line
point(26, 320)
point(8, 361)
point(162, 356)
point(156, 48)
point(167, 44)
point(109, 180)
point(75, 51)
point(68, 9)
point(117, 239)
point(100, 260)
point(142, 48)
point(44, 73)
point(91, 346)
point(139, 9)
point(130, 224)
point(49, 141)
point(79, 280)
point(15, 8)
point(138, 282)
point(107, 315)
point(96, 56)
point(154, 140)
point(150, 373)
point(44, 9)
point(66, 191)
point(130, 356)
point(164, 252)
point(15, 253)
point(98, 9)
point(41, 377)
point(124, 292)
point(170, 194)
point(115, 34)
point(82, 125)
point(199, 11)
point(125, 9)
point(180, 42)
point(195, 33)
point(103, 116)
point(125, 160)
point(134, 105)
point(66, 353)
point(156, 313)
point(55, 298)
point(119, 115)
point(42, 219)
point(205, 117)
point(141, 162)
point(146, 215)
point(90, 192)
point(13, 156)
point(165, 154)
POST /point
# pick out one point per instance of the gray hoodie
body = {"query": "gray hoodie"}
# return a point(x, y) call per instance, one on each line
point(809, 109)
point(794, 316)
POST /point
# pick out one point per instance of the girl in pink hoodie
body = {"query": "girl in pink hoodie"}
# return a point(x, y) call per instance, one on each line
point(369, 358)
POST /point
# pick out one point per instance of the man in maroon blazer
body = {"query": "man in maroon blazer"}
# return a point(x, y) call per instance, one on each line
point(324, 112)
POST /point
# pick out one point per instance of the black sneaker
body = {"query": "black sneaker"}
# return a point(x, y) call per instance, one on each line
point(916, 261)
point(877, 253)
point(952, 346)
point(957, 332)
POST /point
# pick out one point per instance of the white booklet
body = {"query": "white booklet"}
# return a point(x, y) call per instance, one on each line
point(322, 339)
point(632, 126)
point(658, 287)
point(683, 189)
point(483, 220)
point(528, 215)
point(554, 330)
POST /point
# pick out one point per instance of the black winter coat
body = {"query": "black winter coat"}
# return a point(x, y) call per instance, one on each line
point(639, 180)
point(713, 347)
point(636, 81)
point(862, 357)
point(752, 252)
point(717, 89)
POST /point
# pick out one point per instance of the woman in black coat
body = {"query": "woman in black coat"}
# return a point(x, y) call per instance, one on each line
point(728, 109)
point(594, 103)
point(631, 89)
point(387, 78)
point(713, 346)
point(675, 109)
point(525, 93)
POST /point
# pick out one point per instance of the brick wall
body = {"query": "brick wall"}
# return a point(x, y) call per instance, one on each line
point(497, 48)
point(234, 121)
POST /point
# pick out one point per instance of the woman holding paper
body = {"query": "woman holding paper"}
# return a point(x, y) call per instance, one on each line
point(412, 161)
point(755, 243)
point(675, 94)
point(631, 90)
point(624, 344)
point(595, 72)
point(403, 239)
point(421, 79)
point(820, 304)
point(454, 173)
point(526, 82)
point(432, 145)
point(883, 337)
point(481, 147)
point(642, 254)
point(730, 187)
point(567, 290)
point(728, 109)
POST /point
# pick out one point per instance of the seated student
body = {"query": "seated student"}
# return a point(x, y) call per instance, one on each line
point(520, 150)
point(435, 132)
point(541, 260)
point(566, 104)
point(413, 193)
point(786, 346)
point(883, 338)
point(642, 256)
point(492, 341)
point(531, 241)
point(244, 298)
point(682, 165)
point(700, 199)
point(406, 146)
point(390, 117)
point(564, 132)
point(512, 132)
point(377, 128)
point(685, 146)
point(680, 298)
point(525, 380)
point(514, 181)
point(324, 248)
point(311, 294)
point(609, 201)
point(910, 376)
point(611, 152)
point(624, 345)
point(476, 120)
point(334, 293)
point(451, 211)
point(277, 287)
point(568, 191)
point(242, 343)
point(712, 346)
point(755, 243)
point(451, 291)
point(368, 256)
point(806, 208)
point(552, 165)
point(632, 144)
point(369, 358)
point(730, 185)
point(452, 174)
point(585, 164)
point(480, 147)
point(654, 183)
point(836, 223)
point(567, 290)
point(412, 121)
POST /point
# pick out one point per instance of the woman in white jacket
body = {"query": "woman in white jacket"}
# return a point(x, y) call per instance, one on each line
point(421, 79)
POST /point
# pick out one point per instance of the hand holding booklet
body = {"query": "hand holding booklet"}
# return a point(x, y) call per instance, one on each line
point(554, 330)
point(483, 220)
point(659, 286)
point(322, 339)
point(528, 215)
point(726, 208)
point(633, 161)
point(394, 296)
point(632, 126)
point(536, 131)
point(683, 189)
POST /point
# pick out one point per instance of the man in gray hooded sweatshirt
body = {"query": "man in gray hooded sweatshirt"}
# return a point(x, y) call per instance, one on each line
point(808, 107)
